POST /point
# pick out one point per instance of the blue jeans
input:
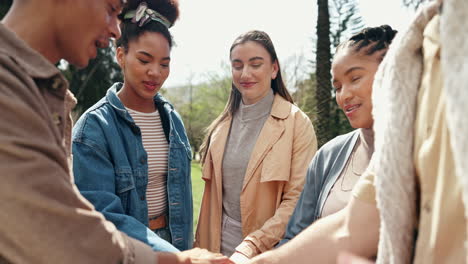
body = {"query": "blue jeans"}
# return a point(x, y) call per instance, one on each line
point(164, 233)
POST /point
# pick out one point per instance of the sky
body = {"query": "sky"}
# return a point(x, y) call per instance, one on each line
point(206, 29)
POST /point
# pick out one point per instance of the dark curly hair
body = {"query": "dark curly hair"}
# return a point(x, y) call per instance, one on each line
point(131, 31)
point(370, 40)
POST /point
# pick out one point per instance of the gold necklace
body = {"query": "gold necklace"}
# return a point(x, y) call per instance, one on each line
point(352, 170)
point(352, 166)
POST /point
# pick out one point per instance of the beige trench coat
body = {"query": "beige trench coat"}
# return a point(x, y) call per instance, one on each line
point(272, 184)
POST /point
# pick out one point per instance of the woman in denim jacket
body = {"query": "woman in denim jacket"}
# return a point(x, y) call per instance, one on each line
point(131, 155)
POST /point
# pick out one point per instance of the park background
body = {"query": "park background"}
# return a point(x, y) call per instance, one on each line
point(305, 34)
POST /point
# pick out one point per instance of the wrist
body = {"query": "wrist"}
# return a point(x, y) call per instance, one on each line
point(248, 249)
point(239, 258)
point(170, 258)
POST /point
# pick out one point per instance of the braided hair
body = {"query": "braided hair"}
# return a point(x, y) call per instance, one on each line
point(371, 39)
point(131, 31)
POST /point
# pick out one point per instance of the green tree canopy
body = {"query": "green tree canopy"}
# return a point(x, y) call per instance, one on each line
point(200, 104)
point(91, 83)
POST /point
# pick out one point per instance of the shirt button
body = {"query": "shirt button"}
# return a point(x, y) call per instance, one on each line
point(56, 83)
point(143, 160)
point(142, 197)
point(57, 119)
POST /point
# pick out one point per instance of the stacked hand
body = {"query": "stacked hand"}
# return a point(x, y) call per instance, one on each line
point(193, 256)
point(347, 258)
point(267, 257)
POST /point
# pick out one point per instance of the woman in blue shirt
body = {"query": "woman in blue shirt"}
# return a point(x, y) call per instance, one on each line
point(338, 165)
point(131, 155)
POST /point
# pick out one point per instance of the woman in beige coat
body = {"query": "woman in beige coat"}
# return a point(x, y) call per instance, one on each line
point(255, 156)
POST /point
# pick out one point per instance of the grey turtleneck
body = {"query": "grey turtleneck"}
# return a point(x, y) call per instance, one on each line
point(246, 125)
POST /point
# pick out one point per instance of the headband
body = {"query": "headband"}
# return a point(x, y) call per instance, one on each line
point(143, 15)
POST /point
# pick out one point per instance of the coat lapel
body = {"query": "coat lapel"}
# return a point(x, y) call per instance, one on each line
point(218, 141)
point(269, 135)
point(271, 132)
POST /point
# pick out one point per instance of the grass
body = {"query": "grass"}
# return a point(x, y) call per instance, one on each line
point(197, 191)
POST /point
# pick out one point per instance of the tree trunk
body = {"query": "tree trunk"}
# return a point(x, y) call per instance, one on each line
point(323, 75)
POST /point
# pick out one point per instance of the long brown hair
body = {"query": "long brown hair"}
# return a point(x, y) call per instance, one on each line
point(235, 97)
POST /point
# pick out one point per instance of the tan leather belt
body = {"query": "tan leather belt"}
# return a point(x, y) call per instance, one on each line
point(157, 223)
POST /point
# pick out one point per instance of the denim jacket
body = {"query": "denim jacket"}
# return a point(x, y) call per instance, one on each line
point(111, 170)
point(322, 174)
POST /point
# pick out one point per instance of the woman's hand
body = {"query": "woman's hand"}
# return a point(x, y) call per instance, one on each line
point(347, 258)
point(193, 256)
point(267, 257)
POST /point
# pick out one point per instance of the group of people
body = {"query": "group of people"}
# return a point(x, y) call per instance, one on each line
point(116, 186)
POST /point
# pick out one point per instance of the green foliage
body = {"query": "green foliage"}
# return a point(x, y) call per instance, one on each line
point(4, 7)
point(305, 98)
point(197, 191)
point(414, 3)
point(200, 104)
point(91, 83)
point(345, 20)
point(336, 21)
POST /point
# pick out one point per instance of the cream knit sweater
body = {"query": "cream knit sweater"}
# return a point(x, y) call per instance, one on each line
point(394, 98)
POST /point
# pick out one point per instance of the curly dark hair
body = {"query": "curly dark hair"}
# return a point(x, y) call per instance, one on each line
point(131, 31)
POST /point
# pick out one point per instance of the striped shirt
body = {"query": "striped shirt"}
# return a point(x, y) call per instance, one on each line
point(157, 148)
